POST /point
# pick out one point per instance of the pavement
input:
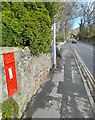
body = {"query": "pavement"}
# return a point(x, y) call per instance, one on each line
point(63, 95)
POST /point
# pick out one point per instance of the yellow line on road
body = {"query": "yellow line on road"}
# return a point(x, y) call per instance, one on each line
point(86, 69)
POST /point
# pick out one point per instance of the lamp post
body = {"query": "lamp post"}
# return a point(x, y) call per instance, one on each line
point(54, 45)
point(94, 14)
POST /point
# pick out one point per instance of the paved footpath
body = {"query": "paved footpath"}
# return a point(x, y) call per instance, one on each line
point(63, 95)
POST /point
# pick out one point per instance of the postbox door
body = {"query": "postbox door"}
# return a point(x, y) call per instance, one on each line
point(10, 70)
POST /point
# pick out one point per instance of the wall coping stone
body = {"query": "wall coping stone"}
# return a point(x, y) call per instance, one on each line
point(4, 50)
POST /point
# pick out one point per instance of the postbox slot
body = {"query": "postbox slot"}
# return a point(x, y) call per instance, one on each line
point(10, 73)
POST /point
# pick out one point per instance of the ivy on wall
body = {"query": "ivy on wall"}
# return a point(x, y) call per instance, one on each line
point(26, 24)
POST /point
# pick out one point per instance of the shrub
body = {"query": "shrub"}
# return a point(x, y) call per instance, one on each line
point(10, 109)
point(26, 24)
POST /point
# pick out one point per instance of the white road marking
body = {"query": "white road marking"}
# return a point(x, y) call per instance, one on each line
point(73, 76)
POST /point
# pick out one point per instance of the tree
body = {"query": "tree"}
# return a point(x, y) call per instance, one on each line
point(87, 20)
point(54, 9)
point(68, 12)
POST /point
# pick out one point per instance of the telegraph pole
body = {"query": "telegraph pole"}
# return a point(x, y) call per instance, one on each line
point(54, 45)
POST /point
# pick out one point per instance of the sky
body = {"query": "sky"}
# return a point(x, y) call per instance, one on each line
point(76, 22)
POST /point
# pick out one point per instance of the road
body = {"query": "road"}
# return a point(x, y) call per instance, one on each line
point(86, 53)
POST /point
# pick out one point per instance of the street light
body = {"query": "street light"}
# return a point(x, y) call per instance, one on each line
point(54, 45)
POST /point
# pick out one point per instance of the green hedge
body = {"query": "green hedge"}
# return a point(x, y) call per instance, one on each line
point(26, 24)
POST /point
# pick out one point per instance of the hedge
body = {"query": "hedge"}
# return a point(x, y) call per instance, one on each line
point(26, 24)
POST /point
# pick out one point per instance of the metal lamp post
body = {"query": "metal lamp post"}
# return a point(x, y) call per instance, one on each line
point(54, 45)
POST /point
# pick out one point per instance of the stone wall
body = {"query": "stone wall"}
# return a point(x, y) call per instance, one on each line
point(31, 73)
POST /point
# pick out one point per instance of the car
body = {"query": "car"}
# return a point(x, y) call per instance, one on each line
point(74, 41)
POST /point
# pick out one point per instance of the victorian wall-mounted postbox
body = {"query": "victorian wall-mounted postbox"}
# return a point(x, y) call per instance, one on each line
point(10, 71)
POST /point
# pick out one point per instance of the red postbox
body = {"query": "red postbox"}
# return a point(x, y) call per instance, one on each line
point(10, 70)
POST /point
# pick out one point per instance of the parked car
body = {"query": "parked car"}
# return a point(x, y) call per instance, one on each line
point(74, 41)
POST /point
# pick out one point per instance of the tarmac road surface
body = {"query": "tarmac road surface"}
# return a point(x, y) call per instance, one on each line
point(86, 52)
